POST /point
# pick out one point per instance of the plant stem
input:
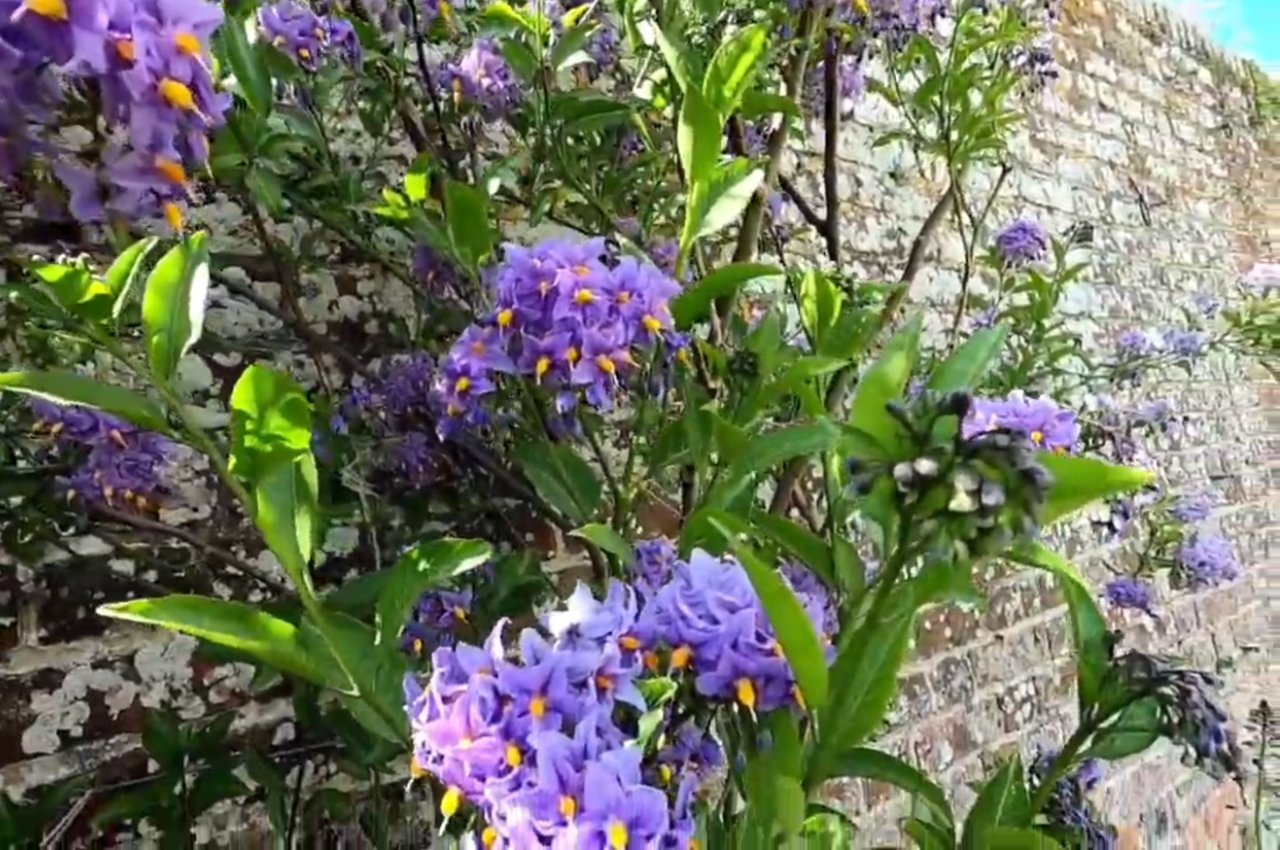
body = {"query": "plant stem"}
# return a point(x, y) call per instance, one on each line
point(831, 135)
point(597, 449)
point(1061, 764)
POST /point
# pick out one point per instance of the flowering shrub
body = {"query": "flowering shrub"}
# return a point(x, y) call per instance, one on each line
point(650, 340)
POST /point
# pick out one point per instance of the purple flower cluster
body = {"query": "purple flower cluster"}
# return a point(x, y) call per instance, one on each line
point(1186, 344)
point(307, 37)
point(118, 464)
point(1047, 425)
point(1068, 805)
point(1192, 508)
point(1206, 560)
point(1262, 280)
point(1036, 63)
point(435, 619)
point(851, 85)
point(480, 79)
point(150, 61)
point(569, 316)
point(893, 22)
point(1131, 592)
point(1022, 241)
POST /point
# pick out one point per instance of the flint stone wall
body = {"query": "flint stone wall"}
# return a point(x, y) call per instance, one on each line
point(1149, 136)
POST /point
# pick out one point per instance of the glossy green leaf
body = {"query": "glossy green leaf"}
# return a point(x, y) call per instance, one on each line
point(1134, 729)
point(70, 388)
point(790, 623)
point(427, 565)
point(268, 639)
point(269, 412)
point(1080, 481)
point(882, 767)
point(286, 495)
point(376, 696)
point(124, 272)
point(162, 738)
point(678, 59)
point(173, 304)
point(757, 104)
point(248, 65)
point(1018, 838)
point(1002, 802)
point(1088, 627)
point(694, 303)
point(733, 68)
point(767, 450)
point(884, 382)
point(79, 293)
point(471, 233)
point(790, 805)
point(965, 369)
point(729, 190)
point(608, 540)
point(798, 542)
point(699, 138)
point(562, 478)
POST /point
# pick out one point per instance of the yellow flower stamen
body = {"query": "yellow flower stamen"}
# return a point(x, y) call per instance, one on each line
point(605, 364)
point(581, 271)
point(651, 323)
point(489, 836)
point(478, 346)
point(173, 215)
point(680, 657)
point(450, 802)
point(623, 297)
point(541, 367)
point(618, 835)
point(170, 169)
point(584, 296)
point(126, 50)
point(1037, 437)
point(187, 43)
point(629, 642)
point(462, 385)
point(118, 438)
point(568, 807)
point(54, 10)
point(538, 706)
point(177, 95)
point(304, 54)
point(651, 661)
point(746, 693)
point(604, 682)
point(417, 646)
point(416, 770)
point(514, 758)
point(799, 696)
point(665, 772)
point(506, 317)
point(459, 613)
point(572, 354)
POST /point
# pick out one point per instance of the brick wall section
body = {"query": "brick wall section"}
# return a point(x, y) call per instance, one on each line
point(1143, 107)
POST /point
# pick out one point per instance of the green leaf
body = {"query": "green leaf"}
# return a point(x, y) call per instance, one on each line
point(122, 274)
point(1080, 481)
point(882, 767)
point(694, 303)
point(1003, 801)
point(698, 139)
point(756, 104)
point(766, 451)
point(286, 494)
point(466, 211)
point(1018, 838)
point(427, 565)
point(212, 787)
point(790, 805)
point(801, 543)
point(173, 304)
point(375, 694)
point(76, 290)
point(162, 738)
point(70, 388)
point(727, 194)
point(677, 57)
point(248, 65)
point(608, 540)
point(236, 625)
point(269, 412)
point(358, 597)
point(1135, 728)
point(1088, 627)
point(417, 180)
point(562, 478)
point(821, 303)
point(884, 382)
point(965, 369)
point(504, 13)
point(568, 48)
point(733, 68)
point(790, 623)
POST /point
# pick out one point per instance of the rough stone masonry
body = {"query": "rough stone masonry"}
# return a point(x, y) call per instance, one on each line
point(1150, 136)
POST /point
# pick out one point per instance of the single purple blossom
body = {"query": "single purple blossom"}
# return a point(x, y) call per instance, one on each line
point(1022, 241)
point(1047, 425)
point(1130, 592)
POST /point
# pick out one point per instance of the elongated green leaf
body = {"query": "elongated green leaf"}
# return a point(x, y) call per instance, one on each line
point(79, 293)
point(123, 273)
point(733, 68)
point(873, 764)
point(562, 478)
point(698, 139)
point(608, 540)
point(678, 59)
point(375, 693)
point(286, 493)
point(429, 564)
point(466, 210)
point(1088, 627)
point(694, 304)
point(1135, 728)
point(269, 412)
point(243, 627)
point(790, 623)
point(965, 369)
point(1003, 801)
point(801, 543)
point(248, 65)
point(70, 388)
point(727, 194)
point(766, 451)
point(571, 45)
point(884, 382)
point(821, 303)
point(173, 304)
point(1081, 481)
point(1018, 838)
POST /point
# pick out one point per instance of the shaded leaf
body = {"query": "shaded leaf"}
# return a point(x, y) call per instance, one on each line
point(562, 478)
point(694, 303)
point(70, 388)
point(425, 566)
point(1003, 801)
point(608, 540)
point(884, 382)
point(965, 369)
point(173, 304)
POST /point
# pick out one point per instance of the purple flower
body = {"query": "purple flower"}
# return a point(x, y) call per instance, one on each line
point(1047, 425)
point(986, 317)
point(850, 80)
point(1193, 508)
point(1036, 63)
point(480, 78)
point(586, 622)
point(1022, 241)
point(1206, 560)
point(1130, 592)
point(664, 253)
point(653, 565)
point(814, 597)
point(1185, 343)
point(1262, 280)
point(415, 459)
point(1133, 343)
point(618, 810)
point(1206, 304)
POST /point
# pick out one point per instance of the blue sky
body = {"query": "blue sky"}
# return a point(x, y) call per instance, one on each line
point(1250, 28)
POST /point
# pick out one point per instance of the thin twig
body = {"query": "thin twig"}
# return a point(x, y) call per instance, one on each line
point(240, 565)
point(970, 248)
point(428, 83)
point(831, 129)
point(807, 212)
